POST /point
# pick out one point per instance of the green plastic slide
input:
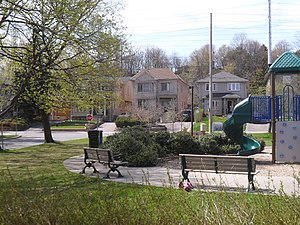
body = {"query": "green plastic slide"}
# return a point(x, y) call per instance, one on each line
point(233, 128)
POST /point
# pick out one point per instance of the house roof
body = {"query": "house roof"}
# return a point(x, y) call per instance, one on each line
point(287, 62)
point(223, 95)
point(124, 79)
point(223, 77)
point(233, 96)
point(157, 74)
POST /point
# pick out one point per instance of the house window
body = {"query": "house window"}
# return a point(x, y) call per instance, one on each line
point(165, 86)
point(145, 87)
point(215, 104)
point(214, 86)
point(142, 103)
point(233, 86)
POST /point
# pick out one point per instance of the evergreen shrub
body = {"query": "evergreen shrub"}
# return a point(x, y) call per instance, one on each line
point(140, 147)
point(135, 145)
point(127, 122)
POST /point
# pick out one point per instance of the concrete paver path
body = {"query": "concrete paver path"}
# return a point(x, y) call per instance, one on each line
point(161, 176)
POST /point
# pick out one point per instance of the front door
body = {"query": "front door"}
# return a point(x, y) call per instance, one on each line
point(229, 106)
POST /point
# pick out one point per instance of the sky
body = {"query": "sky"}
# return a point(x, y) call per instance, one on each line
point(182, 27)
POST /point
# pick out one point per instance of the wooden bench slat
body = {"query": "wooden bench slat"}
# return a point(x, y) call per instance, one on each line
point(103, 156)
point(218, 164)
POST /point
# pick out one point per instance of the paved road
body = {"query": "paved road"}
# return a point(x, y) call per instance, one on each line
point(35, 136)
point(257, 128)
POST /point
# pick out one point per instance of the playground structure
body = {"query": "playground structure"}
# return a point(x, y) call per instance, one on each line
point(233, 127)
point(282, 112)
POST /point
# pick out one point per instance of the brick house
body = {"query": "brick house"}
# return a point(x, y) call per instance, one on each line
point(157, 87)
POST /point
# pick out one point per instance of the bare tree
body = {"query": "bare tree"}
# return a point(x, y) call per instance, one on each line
point(220, 56)
point(199, 63)
point(149, 113)
point(177, 62)
point(280, 47)
point(133, 61)
point(156, 58)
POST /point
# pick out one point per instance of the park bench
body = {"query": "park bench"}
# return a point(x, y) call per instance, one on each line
point(218, 164)
point(103, 156)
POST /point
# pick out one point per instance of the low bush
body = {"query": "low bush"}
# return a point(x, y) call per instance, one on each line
point(135, 145)
point(140, 147)
point(127, 122)
point(74, 123)
point(218, 144)
point(14, 124)
point(163, 139)
point(145, 156)
point(183, 142)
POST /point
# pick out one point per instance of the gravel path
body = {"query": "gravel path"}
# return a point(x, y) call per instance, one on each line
point(264, 165)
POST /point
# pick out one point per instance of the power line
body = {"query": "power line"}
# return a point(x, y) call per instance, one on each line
point(192, 28)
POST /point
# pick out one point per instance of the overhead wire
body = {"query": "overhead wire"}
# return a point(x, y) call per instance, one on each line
point(225, 26)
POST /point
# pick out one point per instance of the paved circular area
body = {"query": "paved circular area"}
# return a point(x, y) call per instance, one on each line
point(168, 177)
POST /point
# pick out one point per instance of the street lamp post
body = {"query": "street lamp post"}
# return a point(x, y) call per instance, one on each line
point(192, 113)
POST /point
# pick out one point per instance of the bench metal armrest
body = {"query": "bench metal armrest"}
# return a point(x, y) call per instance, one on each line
point(118, 156)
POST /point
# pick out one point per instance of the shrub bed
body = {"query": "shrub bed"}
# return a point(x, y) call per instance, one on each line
point(127, 122)
point(140, 147)
point(14, 123)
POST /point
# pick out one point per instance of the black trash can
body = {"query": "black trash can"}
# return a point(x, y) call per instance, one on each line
point(100, 136)
point(95, 138)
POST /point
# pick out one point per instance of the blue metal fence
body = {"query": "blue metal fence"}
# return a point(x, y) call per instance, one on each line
point(296, 114)
point(261, 109)
point(287, 105)
point(287, 108)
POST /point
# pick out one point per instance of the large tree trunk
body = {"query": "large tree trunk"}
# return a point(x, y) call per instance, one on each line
point(47, 129)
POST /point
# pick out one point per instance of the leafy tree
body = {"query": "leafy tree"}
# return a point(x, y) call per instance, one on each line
point(257, 84)
point(61, 57)
point(245, 58)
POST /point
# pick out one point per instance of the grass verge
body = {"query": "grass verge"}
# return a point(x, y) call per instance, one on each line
point(35, 188)
point(267, 137)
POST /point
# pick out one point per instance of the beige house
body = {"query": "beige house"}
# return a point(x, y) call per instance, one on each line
point(153, 89)
point(227, 90)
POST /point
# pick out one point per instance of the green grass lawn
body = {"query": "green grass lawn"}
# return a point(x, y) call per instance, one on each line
point(8, 136)
point(35, 188)
point(75, 124)
point(68, 127)
point(267, 137)
point(205, 120)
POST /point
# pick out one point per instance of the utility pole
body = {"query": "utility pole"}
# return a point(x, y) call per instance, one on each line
point(210, 95)
point(192, 113)
point(273, 93)
point(270, 36)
